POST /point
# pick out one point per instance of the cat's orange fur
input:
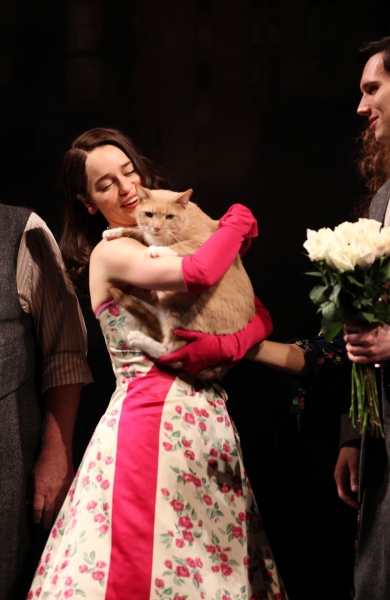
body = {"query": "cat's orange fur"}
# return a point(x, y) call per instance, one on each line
point(167, 218)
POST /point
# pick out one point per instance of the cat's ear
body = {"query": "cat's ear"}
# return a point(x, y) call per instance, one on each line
point(184, 198)
point(142, 193)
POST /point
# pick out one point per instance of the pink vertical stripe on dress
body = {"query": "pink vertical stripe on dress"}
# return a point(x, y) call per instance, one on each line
point(134, 505)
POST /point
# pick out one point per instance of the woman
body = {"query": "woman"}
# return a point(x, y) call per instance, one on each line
point(161, 506)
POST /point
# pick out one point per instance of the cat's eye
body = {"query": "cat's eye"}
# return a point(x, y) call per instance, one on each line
point(149, 215)
point(170, 217)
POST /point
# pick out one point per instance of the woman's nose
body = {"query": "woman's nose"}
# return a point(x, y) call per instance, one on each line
point(125, 185)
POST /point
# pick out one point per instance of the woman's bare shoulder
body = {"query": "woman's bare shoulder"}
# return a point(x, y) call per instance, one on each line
point(108, 249)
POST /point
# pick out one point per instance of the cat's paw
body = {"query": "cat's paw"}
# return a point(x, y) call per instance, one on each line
point(155, 251)
point(112, 234)
point(139, 341)
point(136, 339)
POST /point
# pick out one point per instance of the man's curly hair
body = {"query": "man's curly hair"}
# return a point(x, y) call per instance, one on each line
point(374, 158)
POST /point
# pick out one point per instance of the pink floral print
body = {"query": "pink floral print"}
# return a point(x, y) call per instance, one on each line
point(209, 541)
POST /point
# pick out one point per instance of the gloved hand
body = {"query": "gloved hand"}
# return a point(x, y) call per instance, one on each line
point(204, 350)
point(239, 217)
point(209, 263)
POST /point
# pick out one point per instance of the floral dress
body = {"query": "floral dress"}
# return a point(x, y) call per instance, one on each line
point(161, 507)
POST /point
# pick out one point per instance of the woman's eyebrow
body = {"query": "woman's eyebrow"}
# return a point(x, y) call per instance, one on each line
point(126, 164)
point(129, 162)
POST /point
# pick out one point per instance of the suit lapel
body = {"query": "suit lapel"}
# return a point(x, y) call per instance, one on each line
point(379, 203)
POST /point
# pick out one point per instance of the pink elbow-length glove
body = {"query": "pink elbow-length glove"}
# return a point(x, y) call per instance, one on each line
point(209, 263)
point(204, 350)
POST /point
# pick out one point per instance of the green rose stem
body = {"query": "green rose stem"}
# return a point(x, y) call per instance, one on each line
point(364, 400)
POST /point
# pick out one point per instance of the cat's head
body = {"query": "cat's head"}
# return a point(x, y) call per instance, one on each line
point(162, 215)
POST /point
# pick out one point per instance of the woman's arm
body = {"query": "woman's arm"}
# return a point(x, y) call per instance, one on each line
point(126, 261)
point(289, 358)
point(315, 357)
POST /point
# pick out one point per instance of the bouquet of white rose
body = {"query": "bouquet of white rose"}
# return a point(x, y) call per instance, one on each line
point(353, 262)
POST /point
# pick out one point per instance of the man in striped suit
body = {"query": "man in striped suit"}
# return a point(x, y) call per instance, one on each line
point(42, 369)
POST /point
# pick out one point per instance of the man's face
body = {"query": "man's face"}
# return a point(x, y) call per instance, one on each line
point(375, 102)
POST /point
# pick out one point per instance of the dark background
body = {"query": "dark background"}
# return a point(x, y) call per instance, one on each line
point(250, 101)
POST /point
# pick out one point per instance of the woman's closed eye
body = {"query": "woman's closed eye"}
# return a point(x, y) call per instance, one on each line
point(104, 185)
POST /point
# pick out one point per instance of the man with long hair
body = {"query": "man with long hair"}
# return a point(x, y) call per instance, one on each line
point(362, 471)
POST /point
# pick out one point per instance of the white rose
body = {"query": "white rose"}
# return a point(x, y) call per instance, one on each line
point(319, 243)
point(341, 258)
point(345, 232)
point(369, 225)
point(363, 253)
point(366, 247)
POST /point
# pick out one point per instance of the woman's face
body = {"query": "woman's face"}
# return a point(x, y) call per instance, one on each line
point(111, 183)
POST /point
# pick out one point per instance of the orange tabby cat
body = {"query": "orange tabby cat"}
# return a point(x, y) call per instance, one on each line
point(172, 225)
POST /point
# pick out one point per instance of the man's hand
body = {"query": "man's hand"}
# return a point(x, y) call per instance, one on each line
point(346, 475)
point(53, 471)
point(51, 479)
point(367, 343)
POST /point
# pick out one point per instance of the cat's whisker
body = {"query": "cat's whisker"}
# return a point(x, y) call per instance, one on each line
point(174, 238)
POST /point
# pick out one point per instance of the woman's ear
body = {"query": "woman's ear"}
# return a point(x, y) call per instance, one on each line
point(87, 203)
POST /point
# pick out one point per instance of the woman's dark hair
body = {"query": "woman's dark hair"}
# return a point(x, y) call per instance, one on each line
point(81, 231)
point(374, 158)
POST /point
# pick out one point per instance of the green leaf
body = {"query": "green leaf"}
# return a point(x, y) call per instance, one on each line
point(368, 316)
point(331, 329)
point(317, 295)
point(352, 279)
point(328, 311)
point(214, 538)
point(334, 296)
point(366, 302)
point(88, 559)
point(315, 273)
point(369, 290)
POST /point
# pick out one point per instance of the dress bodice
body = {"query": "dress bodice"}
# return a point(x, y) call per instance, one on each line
point(116, 323)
